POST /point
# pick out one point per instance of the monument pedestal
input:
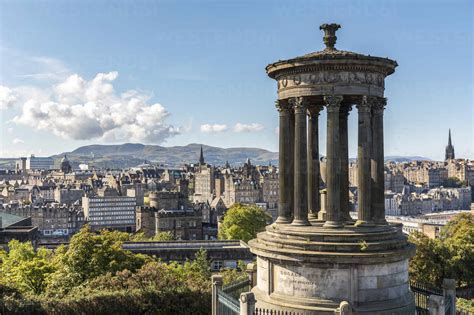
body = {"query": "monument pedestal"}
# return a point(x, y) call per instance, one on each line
point(312, 269)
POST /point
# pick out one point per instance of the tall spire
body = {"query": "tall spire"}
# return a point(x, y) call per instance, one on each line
point(449, 138)
point(201, 157)
point(449, 149)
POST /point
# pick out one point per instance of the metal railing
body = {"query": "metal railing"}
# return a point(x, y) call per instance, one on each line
point(228, 296)
point(226, 304)
point(236, 288)
point(262, 311)
point(422, 292)
point(234, 298)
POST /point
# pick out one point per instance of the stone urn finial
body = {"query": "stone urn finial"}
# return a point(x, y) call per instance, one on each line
point(330, 35)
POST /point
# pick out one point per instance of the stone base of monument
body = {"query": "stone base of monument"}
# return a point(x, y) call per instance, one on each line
point(312, 269)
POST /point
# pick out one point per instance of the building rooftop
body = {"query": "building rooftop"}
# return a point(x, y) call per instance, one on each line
point(8, 219)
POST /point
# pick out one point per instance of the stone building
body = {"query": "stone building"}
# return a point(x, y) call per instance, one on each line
point(204, 181)
point(462, 169)
point(184, 224)
point(52, 219)
point(40, 194)
point(164, 200)
point(270, 188)
point(68, 195)
point(240, 190)
point(394, 180)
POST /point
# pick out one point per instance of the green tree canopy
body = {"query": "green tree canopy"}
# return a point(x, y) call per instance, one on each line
point(243, 222)
point(450, 256)
point(24, 267)
point(94, 275)
point(90, 255)
point(163, 236)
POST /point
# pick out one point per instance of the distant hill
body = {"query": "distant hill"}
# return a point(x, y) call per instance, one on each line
point(133, 154)
point(399, 159)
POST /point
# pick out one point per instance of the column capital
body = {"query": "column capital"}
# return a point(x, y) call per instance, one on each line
point(379, 104)
point(344, 110)
point(282, 106)
point(298, 103)
point(333, 102)
point(314, 110)
point(366, 104)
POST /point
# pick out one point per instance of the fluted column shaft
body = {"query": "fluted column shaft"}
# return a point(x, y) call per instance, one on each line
point(377, 168)
point(344, 158)
point(364, 180)
point(314, 203)
point(301, 170)
point(291, 162)
point(333, 164)
point(284, 207)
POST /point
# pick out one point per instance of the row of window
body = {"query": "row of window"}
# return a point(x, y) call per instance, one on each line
point(129, 200)
point(179, 223)
point(99, 213)
point(120, 217)
point(112, 222)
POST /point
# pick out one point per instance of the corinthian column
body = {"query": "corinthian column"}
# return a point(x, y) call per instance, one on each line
point(364, 181)
point(344, 158)
point(314, 204)
point(284, 207)
point(333, 164)
point(301, 170)
point(377, 168)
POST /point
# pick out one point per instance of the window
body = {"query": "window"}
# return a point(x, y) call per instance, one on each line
point(216, 265)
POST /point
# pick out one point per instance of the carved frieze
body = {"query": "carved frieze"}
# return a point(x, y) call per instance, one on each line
point(333, 77)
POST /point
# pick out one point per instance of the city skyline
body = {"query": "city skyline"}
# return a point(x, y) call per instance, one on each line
point(197, 76)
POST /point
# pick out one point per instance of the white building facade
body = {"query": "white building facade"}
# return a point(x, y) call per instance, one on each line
point(111, 212)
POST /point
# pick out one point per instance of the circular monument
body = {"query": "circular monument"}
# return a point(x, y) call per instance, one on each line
point(314, 261)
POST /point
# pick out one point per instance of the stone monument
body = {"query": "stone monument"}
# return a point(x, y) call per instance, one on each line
point(315, 262)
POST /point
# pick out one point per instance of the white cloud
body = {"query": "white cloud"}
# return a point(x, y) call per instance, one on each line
point(7, 97)
point(254, 127)
point(17, 141)
point(208, 128)
point(82, 110)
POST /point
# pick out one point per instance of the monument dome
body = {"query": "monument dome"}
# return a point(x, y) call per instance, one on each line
point(65, 165)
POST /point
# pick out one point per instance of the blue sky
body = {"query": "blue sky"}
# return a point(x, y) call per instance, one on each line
point(178, 72)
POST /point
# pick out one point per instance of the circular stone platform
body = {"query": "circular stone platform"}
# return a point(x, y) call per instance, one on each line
point(312, 269)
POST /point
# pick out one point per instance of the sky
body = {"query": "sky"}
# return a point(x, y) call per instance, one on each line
point(74, 73)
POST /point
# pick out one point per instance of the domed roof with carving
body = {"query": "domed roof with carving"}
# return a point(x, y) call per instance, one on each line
point(65, 164)
point(329, 54)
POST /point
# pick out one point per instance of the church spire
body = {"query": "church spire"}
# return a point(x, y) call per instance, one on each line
point(449, 148)
point(201, 157)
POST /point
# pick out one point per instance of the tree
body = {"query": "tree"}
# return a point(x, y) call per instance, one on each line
point(90, 255)
point(163, 236)
point(94, 275)
point(450, 256)
point(243, 222)
point(427, 265)
point(25, 268)
point(458, 239)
